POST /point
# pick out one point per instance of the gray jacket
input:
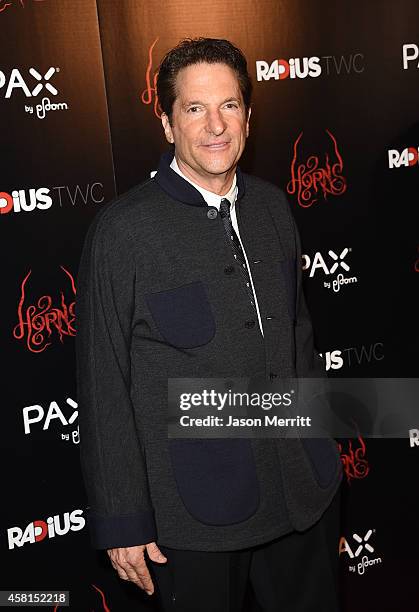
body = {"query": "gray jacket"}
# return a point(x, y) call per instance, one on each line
point(159, 296)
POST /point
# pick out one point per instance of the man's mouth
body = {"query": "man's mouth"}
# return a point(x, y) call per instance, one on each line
point(216, 145)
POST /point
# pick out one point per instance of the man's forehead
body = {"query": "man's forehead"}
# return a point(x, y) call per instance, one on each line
point(207, 80)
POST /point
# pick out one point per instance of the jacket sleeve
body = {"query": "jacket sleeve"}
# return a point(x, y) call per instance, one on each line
point(113, 467)
point(309, 364)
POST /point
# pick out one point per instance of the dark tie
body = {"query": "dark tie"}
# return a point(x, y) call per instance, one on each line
point(237, 249)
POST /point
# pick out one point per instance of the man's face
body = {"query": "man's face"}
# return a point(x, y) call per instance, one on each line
point(209, 124)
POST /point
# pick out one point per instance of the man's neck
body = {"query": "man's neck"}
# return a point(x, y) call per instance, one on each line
point(219, 184)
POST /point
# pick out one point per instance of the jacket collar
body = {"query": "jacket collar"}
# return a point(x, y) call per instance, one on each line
point(179, 189)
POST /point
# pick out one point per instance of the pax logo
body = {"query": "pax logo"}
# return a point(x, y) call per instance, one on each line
point(318, 262)
point(407, 157)
point(293, 68)
point(360, 544)
point(410, 56)
point(39, 530)
point(33, 87)
point(25, 200)
point(334, 262)
point(36, 417)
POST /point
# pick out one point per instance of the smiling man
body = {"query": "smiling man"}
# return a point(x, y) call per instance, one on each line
point(208, 124)
point(197, 273)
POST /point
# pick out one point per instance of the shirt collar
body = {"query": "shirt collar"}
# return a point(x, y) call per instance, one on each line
point(211, 198)
point(181, 190)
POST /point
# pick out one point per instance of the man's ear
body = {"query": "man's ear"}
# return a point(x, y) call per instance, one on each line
point(167, 128)
point(249, 112)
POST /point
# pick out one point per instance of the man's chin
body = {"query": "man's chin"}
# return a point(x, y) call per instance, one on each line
point(218, 167)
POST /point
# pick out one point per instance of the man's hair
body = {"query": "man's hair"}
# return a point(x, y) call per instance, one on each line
point(195, 51)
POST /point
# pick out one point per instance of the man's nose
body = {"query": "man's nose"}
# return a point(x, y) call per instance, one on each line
point(215, 122)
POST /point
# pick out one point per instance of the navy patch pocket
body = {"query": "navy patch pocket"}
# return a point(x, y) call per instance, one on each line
point(216, 479)
point(183, 315)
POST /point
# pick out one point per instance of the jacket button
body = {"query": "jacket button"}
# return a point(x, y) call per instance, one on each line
point(212, 213)
point(250, 324)
point(229, 270)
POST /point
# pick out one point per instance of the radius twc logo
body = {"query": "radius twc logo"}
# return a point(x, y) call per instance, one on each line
point(333, 265)
point(357, 551)
point(40, 530)
point(353, 356)
point(408, 157)
point(314, 66)
point(36, 85)
point(42, 198)
point(25, 200)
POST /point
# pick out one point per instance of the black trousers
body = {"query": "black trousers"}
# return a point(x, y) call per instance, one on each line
point(297, 572)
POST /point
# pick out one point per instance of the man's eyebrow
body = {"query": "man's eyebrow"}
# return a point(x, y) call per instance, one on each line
point(192, 102)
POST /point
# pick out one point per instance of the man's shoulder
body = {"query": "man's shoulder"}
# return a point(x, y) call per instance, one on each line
point(124, 208)
point(116, 219)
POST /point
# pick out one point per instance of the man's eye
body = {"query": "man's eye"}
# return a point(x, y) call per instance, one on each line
point(192, 109)
point(231, 105)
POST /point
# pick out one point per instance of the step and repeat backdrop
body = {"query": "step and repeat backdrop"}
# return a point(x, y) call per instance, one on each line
point(335, 124)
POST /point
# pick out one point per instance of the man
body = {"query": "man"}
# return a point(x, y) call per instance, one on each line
point(197, 273)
